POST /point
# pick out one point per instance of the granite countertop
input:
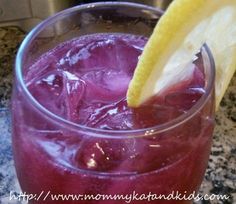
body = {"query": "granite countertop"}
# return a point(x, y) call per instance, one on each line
point(220, 177)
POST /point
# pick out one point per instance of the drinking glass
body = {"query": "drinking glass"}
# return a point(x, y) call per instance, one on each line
point(48, 149)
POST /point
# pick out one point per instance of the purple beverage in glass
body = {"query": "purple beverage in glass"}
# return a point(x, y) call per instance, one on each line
point(73, 133)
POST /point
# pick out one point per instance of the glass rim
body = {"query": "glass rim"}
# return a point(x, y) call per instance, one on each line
point(96, 132)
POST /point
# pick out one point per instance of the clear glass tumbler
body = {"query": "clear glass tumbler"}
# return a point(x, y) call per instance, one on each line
point(167, 158)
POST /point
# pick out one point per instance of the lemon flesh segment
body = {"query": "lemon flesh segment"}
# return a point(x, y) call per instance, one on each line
point(177, 37)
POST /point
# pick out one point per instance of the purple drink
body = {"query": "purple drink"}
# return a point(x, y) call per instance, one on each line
point(110, 149)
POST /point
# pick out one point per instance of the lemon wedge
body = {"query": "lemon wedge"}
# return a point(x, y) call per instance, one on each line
point(177, 37)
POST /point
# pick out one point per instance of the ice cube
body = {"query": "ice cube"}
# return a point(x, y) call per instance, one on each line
point(93, 53)
point(59, 92)
point(105, 85)
point(102, 154)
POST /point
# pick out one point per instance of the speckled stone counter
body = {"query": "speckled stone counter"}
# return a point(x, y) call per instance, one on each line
point(220, 177)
